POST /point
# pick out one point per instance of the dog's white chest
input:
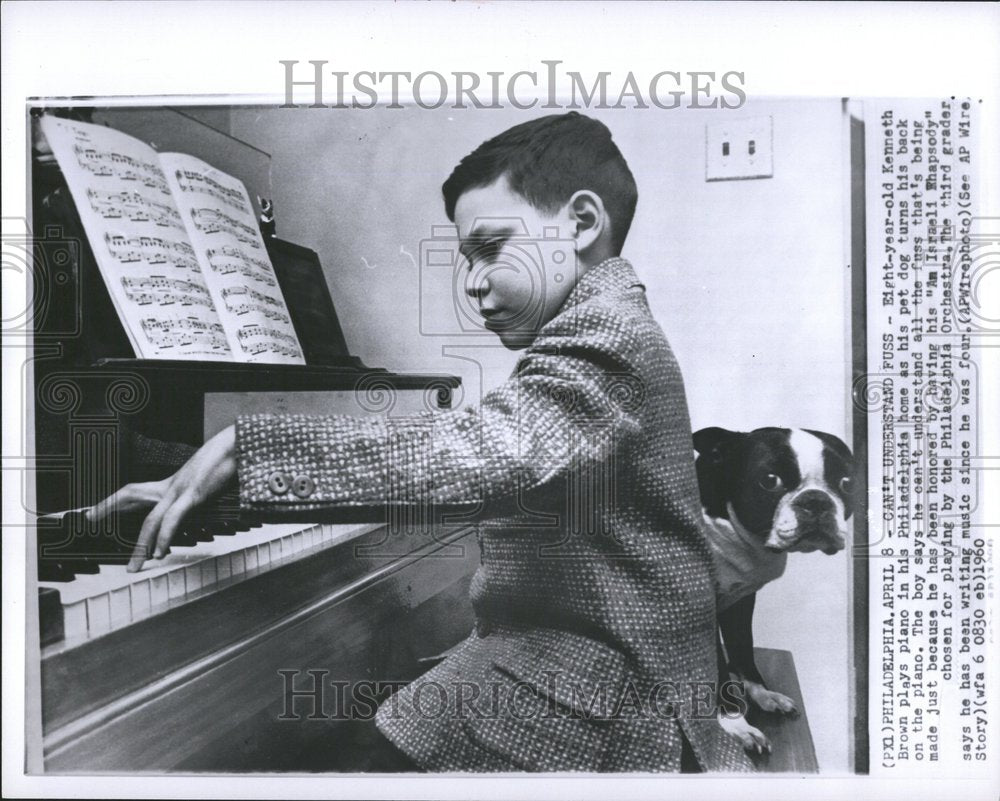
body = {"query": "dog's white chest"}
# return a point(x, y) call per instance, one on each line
point(742, 567)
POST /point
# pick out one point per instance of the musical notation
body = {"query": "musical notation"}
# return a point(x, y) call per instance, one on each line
point(184, 332)
point(212, 221)
point(232, 291)
point(271, 308)
point(171, 256)
point(257, 339)
point(152, 250)
point(240, 309)
point(107, 163)
point(190, 181)
point(134, 206)
point(229, 260)
point(165, 291)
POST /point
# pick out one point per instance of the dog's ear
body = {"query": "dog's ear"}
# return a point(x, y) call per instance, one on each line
point(713, 446)
point(715, 443)
point(838, 447)
point(835, 444)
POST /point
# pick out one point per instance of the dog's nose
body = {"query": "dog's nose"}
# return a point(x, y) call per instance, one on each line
point(815, 502)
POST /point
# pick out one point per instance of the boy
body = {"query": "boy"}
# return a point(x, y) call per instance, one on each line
point(595, 644)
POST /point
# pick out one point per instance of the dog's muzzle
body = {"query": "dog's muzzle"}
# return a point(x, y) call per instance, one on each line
point(809, 522)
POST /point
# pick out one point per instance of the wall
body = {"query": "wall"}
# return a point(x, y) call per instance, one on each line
point(200, 132)
point(747, 278)
point(363, 189)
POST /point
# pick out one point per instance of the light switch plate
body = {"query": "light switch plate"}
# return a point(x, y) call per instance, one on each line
point(739, 149)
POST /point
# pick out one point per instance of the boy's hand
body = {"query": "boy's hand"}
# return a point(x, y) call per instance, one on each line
point(207, 472)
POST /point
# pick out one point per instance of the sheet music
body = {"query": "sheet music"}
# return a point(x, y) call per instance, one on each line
point(217, 211)
point(139, 241)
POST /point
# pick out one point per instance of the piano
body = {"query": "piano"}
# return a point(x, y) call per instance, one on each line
point(205, 660)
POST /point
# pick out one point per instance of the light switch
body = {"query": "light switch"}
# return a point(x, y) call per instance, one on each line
point(739, 149)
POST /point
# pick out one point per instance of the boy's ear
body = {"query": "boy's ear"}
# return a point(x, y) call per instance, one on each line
point(589, 217)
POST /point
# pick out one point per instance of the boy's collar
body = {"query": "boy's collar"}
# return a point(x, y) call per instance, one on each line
point(610, 274)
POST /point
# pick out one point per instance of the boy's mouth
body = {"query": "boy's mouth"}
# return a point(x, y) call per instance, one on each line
point(492, 318)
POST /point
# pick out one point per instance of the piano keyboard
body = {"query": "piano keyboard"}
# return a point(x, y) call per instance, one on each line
point(97, 595)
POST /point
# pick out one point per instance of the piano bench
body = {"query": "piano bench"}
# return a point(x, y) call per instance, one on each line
point(792, 749)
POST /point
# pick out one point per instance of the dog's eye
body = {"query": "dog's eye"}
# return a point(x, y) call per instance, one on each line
point(772, 483)
point(847, 485)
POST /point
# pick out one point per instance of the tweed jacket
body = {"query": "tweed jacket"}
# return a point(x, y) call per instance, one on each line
point(595, 644)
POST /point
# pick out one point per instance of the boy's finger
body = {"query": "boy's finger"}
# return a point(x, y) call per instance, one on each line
point(102, 509)
point(129, 497)
point(147, 536)
point(171, 520)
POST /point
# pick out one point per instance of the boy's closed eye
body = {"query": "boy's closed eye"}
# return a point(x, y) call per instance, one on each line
point(485, 251)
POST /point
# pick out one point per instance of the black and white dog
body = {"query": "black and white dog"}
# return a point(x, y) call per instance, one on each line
point(765, 493)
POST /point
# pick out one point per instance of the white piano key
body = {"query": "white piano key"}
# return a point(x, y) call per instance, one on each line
point(342, 533)
point(158, 592)
point(222, 567)
point(209, 578)
point(85, 585)
point(176, 587)
point(112, 598)
point(275, 547)
point(99, 614)
point(113, 577)
point(121, 606)
point(192, 578)
point(75, 620)
point(141, 599)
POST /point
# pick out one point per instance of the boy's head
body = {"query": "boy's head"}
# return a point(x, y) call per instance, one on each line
point(560, 174)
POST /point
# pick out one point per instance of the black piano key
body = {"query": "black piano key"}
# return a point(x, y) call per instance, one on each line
point(74, 545)
point(195, 528)
point(200, 528)
point(60, 556)
point(55, 570)
point(50, 616)
point(200, 533)
point(183, 538)
point(110, 539)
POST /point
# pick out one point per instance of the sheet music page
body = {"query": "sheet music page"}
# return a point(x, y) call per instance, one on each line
point(219, 217)
point(139, 242)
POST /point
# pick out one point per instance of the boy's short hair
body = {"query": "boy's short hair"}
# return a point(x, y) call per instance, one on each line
point(545, 161)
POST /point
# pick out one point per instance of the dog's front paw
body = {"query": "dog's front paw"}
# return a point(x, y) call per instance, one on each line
point(769, 700)
point(753, 739)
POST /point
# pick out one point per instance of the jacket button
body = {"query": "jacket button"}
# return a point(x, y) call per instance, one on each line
point(303, 486)
point(483, 627)
point(279, 482)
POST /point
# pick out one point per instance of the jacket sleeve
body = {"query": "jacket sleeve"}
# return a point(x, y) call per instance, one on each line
point(569, 402)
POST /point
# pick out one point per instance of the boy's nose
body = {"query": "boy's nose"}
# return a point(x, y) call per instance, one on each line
point(476, 284)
